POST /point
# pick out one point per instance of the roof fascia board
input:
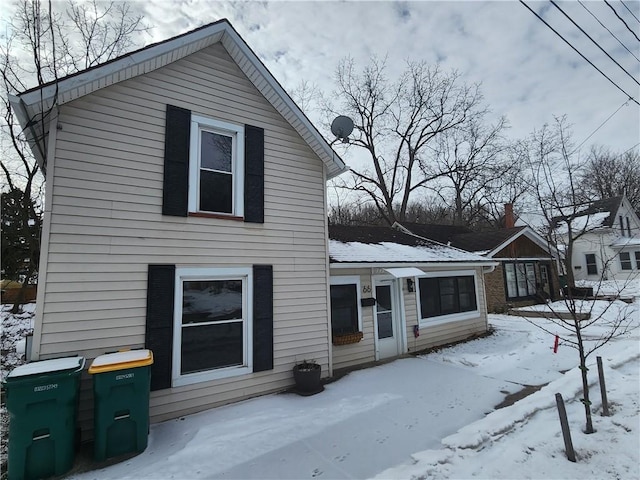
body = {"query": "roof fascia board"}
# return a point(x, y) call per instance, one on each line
point(530, 234)
point(345, 265)
point(286, 107)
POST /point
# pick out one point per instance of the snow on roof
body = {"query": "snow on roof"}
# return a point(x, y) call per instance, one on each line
point(584, 223)
point(389, 252)
point(622, 242)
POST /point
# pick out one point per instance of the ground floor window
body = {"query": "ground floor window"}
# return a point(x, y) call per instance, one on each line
point(637, 254)
point(520, 279)
point(446, 295)
point(345, 305)
point(212, 327)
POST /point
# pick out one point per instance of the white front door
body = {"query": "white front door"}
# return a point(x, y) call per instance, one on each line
point(388, 320)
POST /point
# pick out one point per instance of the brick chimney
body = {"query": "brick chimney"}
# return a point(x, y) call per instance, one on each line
point(509, 221)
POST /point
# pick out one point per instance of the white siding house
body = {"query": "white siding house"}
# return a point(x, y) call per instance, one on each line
point(185, 213)
point(607, 244)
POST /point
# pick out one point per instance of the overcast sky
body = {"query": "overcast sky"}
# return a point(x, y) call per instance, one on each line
point(527, 72)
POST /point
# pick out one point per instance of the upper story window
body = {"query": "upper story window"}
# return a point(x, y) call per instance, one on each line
point(216, 167)
point(592, 266)
point(621, 225)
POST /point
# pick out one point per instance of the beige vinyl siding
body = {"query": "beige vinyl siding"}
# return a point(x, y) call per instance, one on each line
point(107, 226)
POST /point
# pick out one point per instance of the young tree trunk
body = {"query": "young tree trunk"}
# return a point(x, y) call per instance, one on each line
point(583, 373)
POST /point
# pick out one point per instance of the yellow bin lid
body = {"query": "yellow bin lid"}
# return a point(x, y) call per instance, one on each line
point(121, 361)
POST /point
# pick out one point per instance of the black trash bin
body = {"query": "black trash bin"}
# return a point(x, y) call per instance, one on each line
point(42, 400)
point(121, 383)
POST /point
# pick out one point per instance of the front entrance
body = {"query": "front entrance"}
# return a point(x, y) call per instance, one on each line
point(388, 322)
point(544, 280)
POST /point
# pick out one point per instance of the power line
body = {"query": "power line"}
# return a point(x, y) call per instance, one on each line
point(595, 43)
point(622, 20)
point(607, 29)
point(599, 127)
point(632, 14)
point(579, 53)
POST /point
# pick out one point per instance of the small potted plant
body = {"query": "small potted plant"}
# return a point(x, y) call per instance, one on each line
point(307, 377)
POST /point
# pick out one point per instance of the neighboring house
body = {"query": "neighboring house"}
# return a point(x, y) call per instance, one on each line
point(393, 293)
point(607, 240)
point(527, 271)
point(185, 213)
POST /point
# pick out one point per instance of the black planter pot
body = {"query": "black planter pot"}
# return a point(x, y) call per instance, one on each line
point(307, 378)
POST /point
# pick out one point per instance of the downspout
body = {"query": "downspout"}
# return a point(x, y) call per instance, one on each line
point(328, 273)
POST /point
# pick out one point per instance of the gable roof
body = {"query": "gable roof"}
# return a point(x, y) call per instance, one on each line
point(386, 245)
point(486, 243)
point(30, 104)
point(597, 209)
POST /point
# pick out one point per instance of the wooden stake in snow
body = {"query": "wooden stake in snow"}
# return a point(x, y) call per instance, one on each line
point(566, 434)
point(603, 388)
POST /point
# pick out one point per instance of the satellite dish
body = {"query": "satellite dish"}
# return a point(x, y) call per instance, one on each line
point(342, 127)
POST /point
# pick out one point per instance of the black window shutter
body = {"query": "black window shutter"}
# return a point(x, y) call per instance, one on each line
point(262, 318)
point(253, 174)
point(175, 191)
point(159, 326)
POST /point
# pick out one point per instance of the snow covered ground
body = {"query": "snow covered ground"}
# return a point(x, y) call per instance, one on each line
point(432, 416)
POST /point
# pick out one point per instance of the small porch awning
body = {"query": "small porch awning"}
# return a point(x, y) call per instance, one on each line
point(404, 272)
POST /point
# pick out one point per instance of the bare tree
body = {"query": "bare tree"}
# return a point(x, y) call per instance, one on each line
point(608, 174)
point(396, 122)
point(41, 46)
point(553, 166)
point(467, 159)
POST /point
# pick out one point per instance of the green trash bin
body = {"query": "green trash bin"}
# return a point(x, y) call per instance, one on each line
point(42, 400)
point(121, 383)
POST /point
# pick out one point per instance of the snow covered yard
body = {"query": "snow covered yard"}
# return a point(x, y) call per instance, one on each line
point(14, 330)
point(432, 416)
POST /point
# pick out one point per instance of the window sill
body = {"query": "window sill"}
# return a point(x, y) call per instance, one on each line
point(216, 215)
point(200, 377)
point(453, 317)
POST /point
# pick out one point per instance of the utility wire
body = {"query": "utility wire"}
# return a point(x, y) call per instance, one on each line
point(621, 19)
point(578, 52)
point(632, 14)
point(599, 127)
point(594, 42)
point(607, 29)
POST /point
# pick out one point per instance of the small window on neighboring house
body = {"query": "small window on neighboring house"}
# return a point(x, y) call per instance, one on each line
point(621, 226)
point(345, 305)
point(216, 167)
point(637, 255)
point(592, 267)
point(625, 261)
point(213, 324)
point(628, 227)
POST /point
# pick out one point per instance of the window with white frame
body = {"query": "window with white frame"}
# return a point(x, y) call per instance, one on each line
point(216, 167)
point(592, 266)
point(440, 296)
point(345, 305)
point(637, 255)
point(520, 279)
point(625, 261)
point(212, 324)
